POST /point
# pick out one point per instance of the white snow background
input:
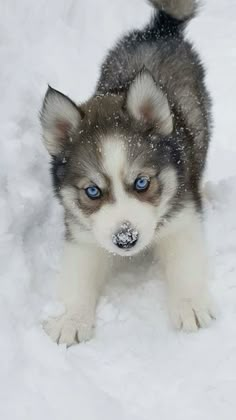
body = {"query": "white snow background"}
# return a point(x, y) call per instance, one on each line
point(136, 367)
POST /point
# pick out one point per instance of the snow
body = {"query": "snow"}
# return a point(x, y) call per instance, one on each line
point(136, 367)
point(126, 236)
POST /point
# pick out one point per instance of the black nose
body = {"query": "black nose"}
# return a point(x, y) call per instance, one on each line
point(126, 237)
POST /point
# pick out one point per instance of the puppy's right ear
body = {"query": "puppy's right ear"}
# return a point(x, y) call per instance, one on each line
point(60, 118)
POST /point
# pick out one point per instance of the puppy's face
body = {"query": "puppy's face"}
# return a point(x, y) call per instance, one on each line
point(114, 166)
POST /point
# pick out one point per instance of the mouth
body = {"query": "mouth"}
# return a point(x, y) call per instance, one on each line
point(127, 241)
point(125, 250)
point(126, 253)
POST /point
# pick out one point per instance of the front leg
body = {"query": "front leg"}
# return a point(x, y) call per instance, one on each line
point(183, 257)
point(84, 271)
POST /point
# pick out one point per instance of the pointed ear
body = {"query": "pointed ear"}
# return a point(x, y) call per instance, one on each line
point(146, 102)
point(60, 118)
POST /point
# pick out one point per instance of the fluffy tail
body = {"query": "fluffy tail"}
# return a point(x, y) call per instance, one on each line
point(172, 16)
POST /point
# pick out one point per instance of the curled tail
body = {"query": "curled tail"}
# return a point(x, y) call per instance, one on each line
point(172, 16)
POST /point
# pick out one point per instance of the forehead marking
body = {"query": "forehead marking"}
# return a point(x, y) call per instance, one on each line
point(114, 159)
point(114, 156)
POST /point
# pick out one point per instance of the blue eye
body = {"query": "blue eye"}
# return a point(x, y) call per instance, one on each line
point(93, 192)
point(141, 184)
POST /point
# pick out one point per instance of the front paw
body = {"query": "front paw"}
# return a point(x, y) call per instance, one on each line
point(192, 314)
point(69, 328)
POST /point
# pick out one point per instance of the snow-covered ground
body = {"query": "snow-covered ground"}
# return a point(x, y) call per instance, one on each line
point(136, 367)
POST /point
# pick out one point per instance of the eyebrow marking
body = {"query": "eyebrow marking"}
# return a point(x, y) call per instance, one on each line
point(95, 179)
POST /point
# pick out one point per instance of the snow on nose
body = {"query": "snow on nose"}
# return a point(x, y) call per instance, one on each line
point(126, 237)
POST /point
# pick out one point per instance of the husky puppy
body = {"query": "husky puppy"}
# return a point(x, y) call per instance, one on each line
point(127, 167)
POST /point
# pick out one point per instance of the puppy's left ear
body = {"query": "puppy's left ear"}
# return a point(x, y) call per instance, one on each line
point(60, 118)
point(147, 102)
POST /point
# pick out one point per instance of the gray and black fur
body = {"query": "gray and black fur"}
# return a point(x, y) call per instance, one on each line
point(162, 49)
